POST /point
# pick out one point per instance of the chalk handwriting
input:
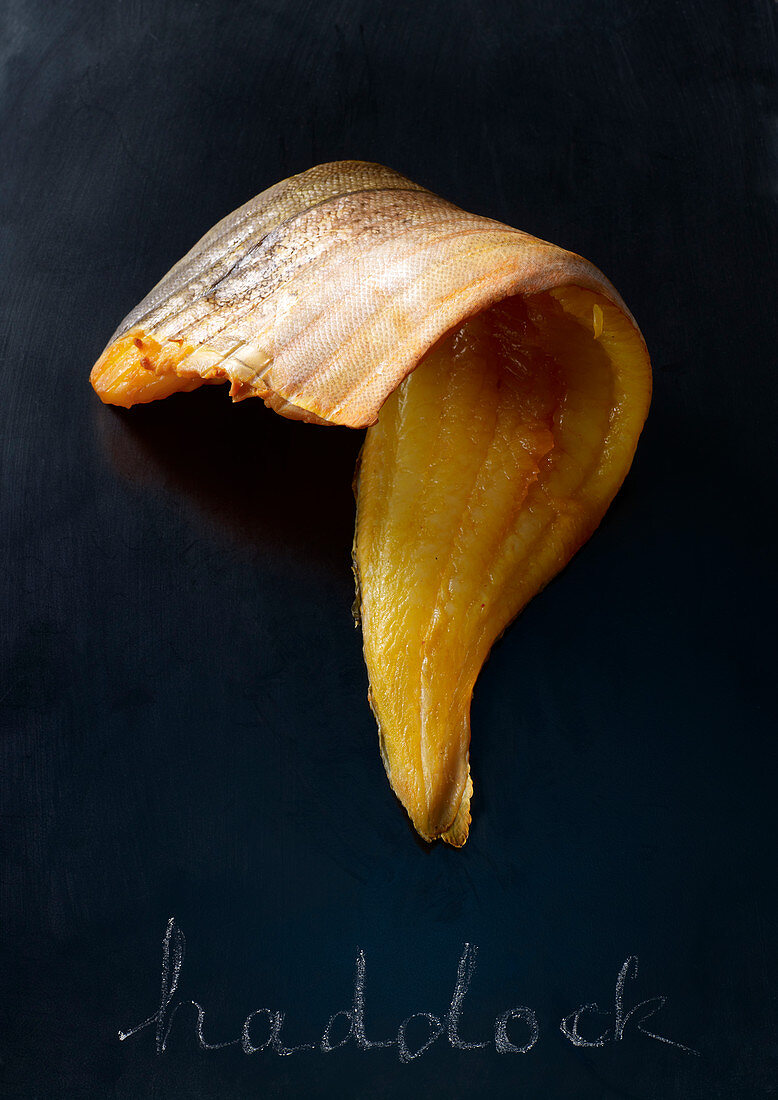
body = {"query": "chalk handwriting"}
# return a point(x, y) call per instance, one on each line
point(516, 1031)
point(569, 1026)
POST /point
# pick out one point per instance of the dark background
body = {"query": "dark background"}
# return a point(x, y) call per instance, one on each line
point(184, 725)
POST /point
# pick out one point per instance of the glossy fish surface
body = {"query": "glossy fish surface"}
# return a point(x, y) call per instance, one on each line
point(504, 385)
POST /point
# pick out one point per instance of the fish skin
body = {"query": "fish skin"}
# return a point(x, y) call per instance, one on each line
point(322, 293)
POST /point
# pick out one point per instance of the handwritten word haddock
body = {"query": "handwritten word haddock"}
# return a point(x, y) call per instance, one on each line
point(515, 1031)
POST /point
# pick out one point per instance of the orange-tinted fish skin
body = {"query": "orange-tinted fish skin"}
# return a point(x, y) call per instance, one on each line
point(136, 369)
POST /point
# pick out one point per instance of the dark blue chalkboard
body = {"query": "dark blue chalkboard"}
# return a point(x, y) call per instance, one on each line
point(190, 775)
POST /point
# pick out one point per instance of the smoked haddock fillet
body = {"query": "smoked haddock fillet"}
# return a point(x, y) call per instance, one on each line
point(504, 384)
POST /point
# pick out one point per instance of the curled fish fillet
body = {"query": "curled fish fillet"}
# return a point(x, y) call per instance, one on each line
point(503, 382)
